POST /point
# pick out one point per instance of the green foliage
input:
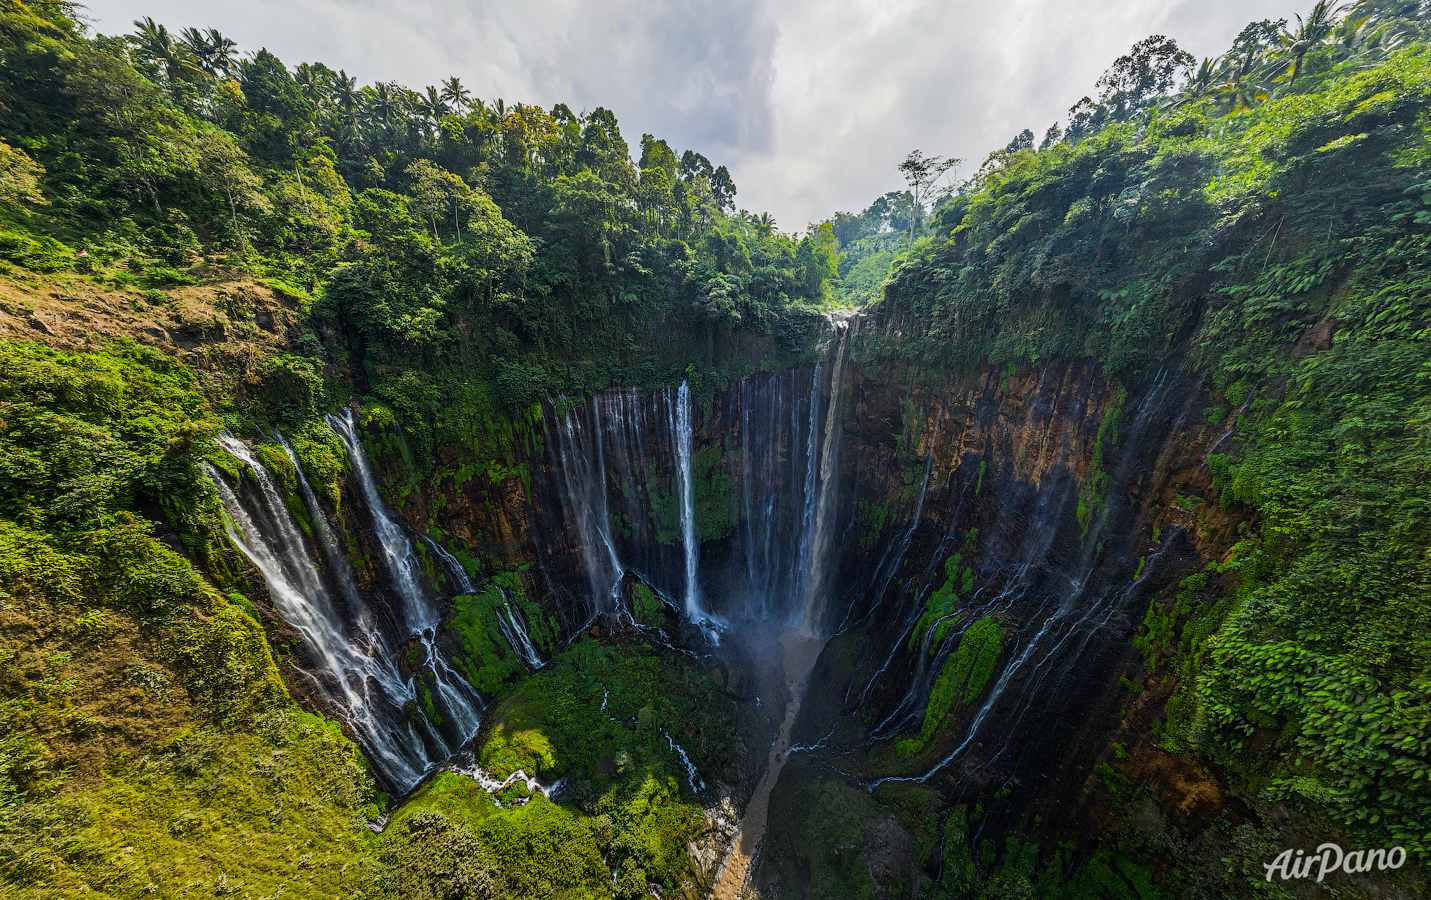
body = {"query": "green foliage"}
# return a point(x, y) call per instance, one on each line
point(965, 675)
point(430, 858)
point(484, 658)
point(940, 610)
point(1284, 250)
point(631, 808)
point(647, 607)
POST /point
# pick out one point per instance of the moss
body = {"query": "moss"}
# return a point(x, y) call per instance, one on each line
point(646, 606)
point(965, 675)
point(634, 814)
point(716, 511)
point(484, 657)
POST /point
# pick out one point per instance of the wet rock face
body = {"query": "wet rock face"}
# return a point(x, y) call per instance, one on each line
point(1053, 497)
point(1044, 507)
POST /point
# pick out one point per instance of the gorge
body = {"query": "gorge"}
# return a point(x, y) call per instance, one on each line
point(471, 507)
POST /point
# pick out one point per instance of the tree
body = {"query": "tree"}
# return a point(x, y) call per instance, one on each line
point(1311, 33)
point(500, 249)
point(223, 167)
point(817, 259)
point(922, 173)
point(1200, 85)
point(723, 188)
point(432, 105)
point(435, 190)
point(215, 54)
point(157, 47)
point(455, 95)
point(1084, 118)
point(281, 116)
point(1138, 78)
point(19, 177)
point(1024, 140)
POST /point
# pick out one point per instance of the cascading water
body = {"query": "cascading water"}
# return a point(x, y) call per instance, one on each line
point(354, 649)
point(623, 467)
point(509, 619)
point(816, 549)
point(451, 691)
point(688, 501)
point(1055, 578)
point(418, 612)
point(366, 686)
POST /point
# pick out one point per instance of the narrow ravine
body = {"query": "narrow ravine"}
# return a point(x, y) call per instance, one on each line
point(799, 652)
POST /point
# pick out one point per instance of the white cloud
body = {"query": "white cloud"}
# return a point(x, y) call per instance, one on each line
point(811, 103)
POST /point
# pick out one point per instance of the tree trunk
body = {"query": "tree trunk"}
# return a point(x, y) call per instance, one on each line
point(233, 210)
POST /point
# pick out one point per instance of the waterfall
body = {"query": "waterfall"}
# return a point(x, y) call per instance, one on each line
point(509, 619)
point(688, 502)
point(455, 568)
point(354, 651)
point(366, 686)
point(818, 546)
point(456, 696)
point(579, 460)
point(622, 468)
point(402, 566)
point(514, 629)
point(1058, 583)
point(332, 555)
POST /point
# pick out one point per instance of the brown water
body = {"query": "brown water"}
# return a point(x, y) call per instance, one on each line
point(799, 652)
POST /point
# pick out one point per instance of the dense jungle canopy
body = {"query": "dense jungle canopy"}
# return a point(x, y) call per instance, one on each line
point(197, 242)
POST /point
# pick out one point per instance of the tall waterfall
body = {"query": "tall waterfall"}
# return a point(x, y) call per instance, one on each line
point(419, 613)
point(1059, 585)
point(352, 646)
point(688, 500)
point(820, 522)
point(456, 696)
point(624, 467)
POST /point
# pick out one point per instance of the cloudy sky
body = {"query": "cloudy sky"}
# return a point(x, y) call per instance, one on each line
point(811, 103)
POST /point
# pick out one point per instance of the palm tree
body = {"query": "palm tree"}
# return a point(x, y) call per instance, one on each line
point(215, 53)
point(1311, 33)
point(432, 104)
point(347, 98)
point(157, 45)
point(383, 102)
point(313, 85)
point(455, 94)
point(1200, 86)
point(223, 53)
point(1244, 87)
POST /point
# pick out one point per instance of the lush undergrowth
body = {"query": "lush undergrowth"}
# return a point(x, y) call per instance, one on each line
point(606, 722)
point(1282, 249)
point(146, 742)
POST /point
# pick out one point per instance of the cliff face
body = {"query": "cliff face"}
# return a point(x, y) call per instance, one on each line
point(1039, 511)
point(1049, 507)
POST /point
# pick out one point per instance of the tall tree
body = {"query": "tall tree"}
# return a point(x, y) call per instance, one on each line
point(455, 95)
point(158, 47)
point(1312, 32)
point(922, 174)
point(1145, 73)
point(215, 54)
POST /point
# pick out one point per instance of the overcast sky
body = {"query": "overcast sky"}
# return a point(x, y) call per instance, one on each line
point(811, 103)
